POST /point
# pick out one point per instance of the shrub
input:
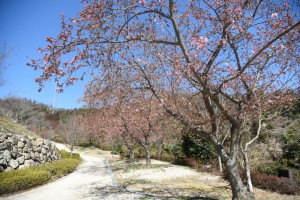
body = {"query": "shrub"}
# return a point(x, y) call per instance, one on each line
point(270, 125)
point(13, 181)
point(58, 138)
point(17, 180)
point(273, 183)
point(198, 148)
point(296, 175)
point(66, 154)
point(61, 167)
point(192, 163)
point(84, 144)
point(270, 169)
point(167, 158)
point(290, 141)
point(22, 179)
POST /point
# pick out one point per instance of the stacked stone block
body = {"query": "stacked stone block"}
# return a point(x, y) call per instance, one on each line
point(18, 151)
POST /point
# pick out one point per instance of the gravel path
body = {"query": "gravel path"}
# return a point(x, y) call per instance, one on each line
point(90, 181)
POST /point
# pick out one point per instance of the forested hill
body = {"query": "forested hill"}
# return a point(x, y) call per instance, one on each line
point(36, 117)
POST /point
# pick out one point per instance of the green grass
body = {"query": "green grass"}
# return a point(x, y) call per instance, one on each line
point(7, 125)
point(17, 180)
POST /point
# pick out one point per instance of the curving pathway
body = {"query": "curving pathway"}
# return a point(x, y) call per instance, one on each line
point(90, 181)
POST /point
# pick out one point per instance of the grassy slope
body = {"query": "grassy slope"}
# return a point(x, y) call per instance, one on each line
point(7, 125)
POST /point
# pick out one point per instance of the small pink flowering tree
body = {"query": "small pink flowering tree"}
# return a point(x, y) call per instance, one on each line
point(139, 123)
point(165, 133)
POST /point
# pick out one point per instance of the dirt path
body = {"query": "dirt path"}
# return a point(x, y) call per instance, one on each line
point(90, 181)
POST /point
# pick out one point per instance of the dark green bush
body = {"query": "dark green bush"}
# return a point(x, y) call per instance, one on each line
point(270, 169)
point(17, 180)
point(13, 181)
point(198, 148)
point(290, 142)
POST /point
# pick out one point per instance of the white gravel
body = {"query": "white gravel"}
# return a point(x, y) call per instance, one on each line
point(160, 174)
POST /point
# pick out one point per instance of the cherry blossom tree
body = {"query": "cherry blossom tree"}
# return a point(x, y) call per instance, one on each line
point(210, 63)
point(93, 125)
point(128, 141)
point(164, 133)
point(100, 126)
point(139, 122)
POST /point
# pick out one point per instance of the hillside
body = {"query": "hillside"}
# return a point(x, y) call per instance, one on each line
point(37, 117)
point(7, 125)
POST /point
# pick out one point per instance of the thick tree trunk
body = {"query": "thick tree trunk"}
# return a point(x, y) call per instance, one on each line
point(239, 191)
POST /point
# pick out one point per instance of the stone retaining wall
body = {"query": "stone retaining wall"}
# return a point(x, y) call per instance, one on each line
point(18, 151)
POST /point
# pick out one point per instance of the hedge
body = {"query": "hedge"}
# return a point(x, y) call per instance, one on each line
point(13, 181)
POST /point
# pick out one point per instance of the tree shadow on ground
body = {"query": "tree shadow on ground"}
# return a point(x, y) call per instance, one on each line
point(176, 193)
point(165, 194)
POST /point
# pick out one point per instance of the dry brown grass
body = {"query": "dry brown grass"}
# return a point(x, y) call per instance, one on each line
point(7, 125)
point(185, 183)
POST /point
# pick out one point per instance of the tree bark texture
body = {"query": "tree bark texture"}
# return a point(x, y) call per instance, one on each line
point(148, 155)
point(239, 191)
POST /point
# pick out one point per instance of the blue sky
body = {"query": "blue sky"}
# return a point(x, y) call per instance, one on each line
point(24, 25)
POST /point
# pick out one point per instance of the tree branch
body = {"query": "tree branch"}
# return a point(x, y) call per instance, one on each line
point(177, 32)
point(261, 50)
point(142, 13)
